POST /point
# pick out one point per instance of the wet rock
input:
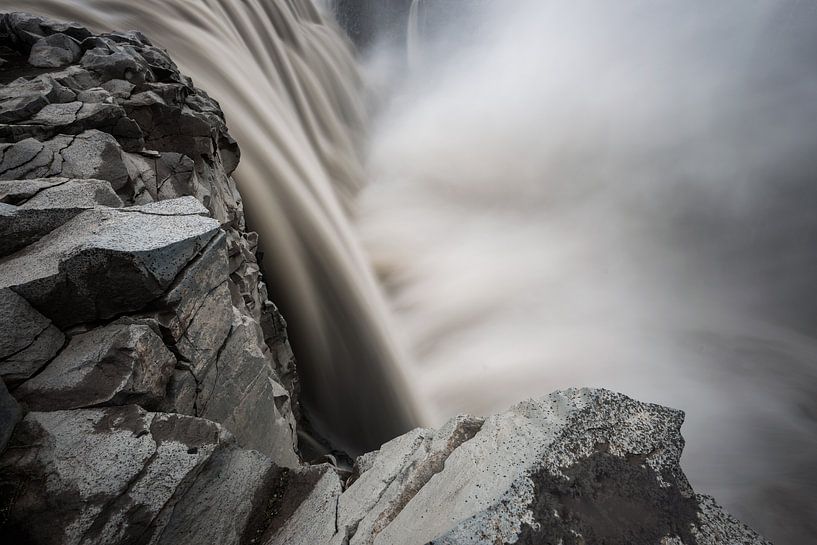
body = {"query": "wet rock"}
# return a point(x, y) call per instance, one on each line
point(105, 262)
point(23, 98)
point(10, 415)
point(48, 206)
point(29, 340)
point(579, 466)
point(119, 364)
point(54, 51)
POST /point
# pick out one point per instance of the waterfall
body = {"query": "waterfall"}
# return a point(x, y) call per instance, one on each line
point(289, 85)
point(617, 194)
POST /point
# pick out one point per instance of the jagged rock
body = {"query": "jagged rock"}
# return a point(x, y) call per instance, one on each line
point(105, 262)
point(119, 364)
point(29, 339)
point(117, 474)
point(10, 415)
point(579, 466)
point(54, 51)
point(309, 510)
point(115, 62)
point(23, 98)
point(91, 154)
point(49, 204)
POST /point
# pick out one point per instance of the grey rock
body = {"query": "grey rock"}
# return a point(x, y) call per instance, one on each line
point(10, 415)
point(310, 513)
point(570, 468)
point(118, 364)
point(23, 98)
point(19, 191)
point(54, 51)
point(105, 262)
point(49, 206)
point(29, 340)
point(115, 62)
point(116, 474)
point(92, 154)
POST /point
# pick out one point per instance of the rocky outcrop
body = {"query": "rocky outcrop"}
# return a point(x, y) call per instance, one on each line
point(148, 387)
point(576, 467)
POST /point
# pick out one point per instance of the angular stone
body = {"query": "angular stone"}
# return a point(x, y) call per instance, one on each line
point(10, 415)
point(570, 468)
point(29, 340)
point(23, 98)
point(92, 154)
point(54, 51)
point(105, 262)
point(115, 474)
point(77, 117)
point(48, 207)
point(115, 62)
point(309, 509)
point(118, 364)
point(242, 393)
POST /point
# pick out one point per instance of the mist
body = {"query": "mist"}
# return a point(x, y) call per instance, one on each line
point(587, 194)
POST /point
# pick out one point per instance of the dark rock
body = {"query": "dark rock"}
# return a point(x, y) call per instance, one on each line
point(115, 62)
point(10, 415)
point(29, 340)
point(54, 51)
point(119, 364)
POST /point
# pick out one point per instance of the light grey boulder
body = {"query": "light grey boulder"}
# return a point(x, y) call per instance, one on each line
point(45, 205)
point(105, 262)
point(54, 51)
point(10, 415)
point(119, 364)
point(123, 475)
point(579, 466)
point(29, 339)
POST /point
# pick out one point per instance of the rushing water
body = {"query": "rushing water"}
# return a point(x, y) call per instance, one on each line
point(560, 194)
point(618, 194)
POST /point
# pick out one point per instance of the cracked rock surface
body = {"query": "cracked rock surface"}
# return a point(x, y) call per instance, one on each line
point(147, 387)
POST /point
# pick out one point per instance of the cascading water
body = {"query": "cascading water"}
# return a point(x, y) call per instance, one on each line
point(564, 193)
point(291, 91)
point(615, 194)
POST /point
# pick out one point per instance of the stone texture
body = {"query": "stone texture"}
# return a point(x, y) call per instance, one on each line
point(29, 340)
point(48, 205)
point(117, 475)
point(54, 51)
point(119, 364)
point(10, 415)
point(105, 262)
point(579, 466)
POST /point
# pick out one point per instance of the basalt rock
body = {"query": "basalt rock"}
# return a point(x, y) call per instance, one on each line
point(127, 275)
point(576, 467)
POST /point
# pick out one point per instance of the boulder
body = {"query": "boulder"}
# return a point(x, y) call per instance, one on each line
point(54, 51)
point(105, 262)
point(29, 340)
point(119, 364)
point(49, 204)
point(579, 466)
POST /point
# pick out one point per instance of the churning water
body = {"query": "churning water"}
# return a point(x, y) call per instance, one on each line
point(558, 193)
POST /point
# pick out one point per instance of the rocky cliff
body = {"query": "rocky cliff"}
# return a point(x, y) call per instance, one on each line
point(148, 390)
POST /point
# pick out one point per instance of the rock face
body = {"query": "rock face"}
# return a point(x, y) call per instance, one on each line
point(576, 467)
point(148, 387)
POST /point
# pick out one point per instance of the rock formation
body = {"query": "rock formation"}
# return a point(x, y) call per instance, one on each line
point(148, 390)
